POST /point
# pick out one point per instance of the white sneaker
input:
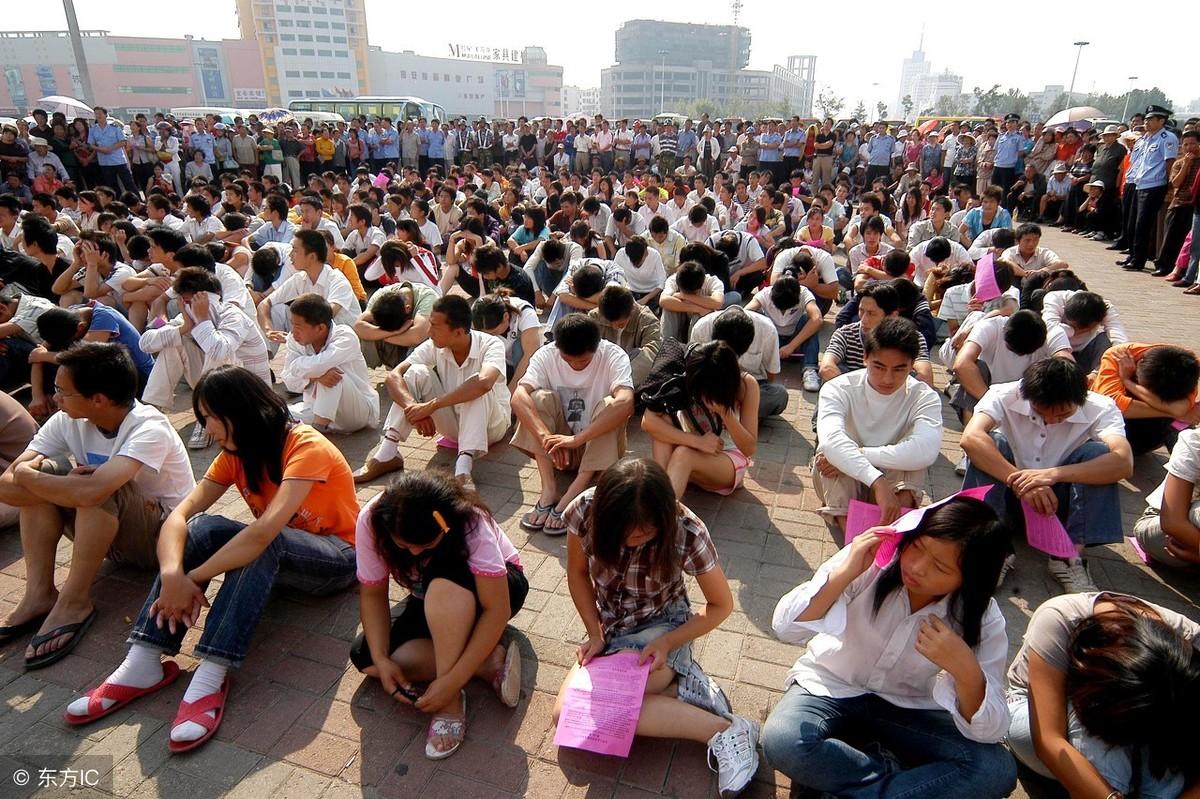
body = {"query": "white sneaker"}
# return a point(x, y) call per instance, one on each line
point(1010, 563)
point(960, 468)
point(1072, 575)
point(736, 752)
point(812, 380)
point(699, 690)
point(200, 439)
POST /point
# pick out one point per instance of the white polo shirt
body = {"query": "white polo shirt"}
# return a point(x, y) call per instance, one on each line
point(1037, 445)
point(762, 358)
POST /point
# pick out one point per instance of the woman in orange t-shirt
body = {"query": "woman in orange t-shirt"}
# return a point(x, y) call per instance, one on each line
point(301, 493)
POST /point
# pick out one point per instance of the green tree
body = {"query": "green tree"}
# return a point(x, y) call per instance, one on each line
point(907, 105)
point(830, 103)
point(988, 102)
point(860, 112)
point(881, 110)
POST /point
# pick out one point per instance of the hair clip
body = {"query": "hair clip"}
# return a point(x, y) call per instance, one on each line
point(437, 517)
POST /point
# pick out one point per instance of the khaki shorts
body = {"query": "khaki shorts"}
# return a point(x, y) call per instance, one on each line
point(139, 519)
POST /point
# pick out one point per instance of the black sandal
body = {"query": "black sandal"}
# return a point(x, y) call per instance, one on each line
point(13, 631)
point(76, 631)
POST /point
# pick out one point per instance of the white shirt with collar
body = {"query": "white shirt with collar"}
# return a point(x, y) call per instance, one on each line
point(854, 650)
point(1037, 445)
point(1004, 364)
point(486, 350)
point(342, 350)
point(1055, 302)
point(1042, 258)
point(330, 284)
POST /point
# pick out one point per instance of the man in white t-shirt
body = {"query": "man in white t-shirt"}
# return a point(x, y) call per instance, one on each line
point(1059, 448)
point(101, 277)
point(572, 407)
point(643, 269)
point(325, 365)
point(313, 275)
point(687, 295)
point(879, 428)
point(131, 471)
point(1169, 530)
point(364, 239)
point(1091, 322)
point(998, 350)
point(452, 385)
point(755, 340)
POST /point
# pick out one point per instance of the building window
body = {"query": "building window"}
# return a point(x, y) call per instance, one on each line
point(339, 39)
point(283, 8)
point(343, 54)
point(336, 12)
point(435, 77)
point(295, 93)
point(323, 39)
point(129, 47)
point(325, 53)
point(304, 37)
point(424, 76)
point(161, 69)
point(318, 10)
point(303, 23)
point(285, 23)
point(447, 76)
point(326, 74)
point(403, 74)
point(338, 26)
point(301, 9)
point(320, 24)
point(154, 89)
point(458, 78)
point(292, 73)
point(307, 51)
point(312, 94)
point(309, 74)
point(287, 37)
point(289, 51)
point(343, 76)
point(481, 79)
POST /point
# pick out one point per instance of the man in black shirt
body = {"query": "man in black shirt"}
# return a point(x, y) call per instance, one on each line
point(497, 273)
point(38, 270)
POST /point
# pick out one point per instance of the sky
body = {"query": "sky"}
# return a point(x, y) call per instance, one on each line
point(1027, 48)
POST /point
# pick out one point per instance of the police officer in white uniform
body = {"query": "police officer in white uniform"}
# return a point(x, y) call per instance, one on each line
point(1154, 154)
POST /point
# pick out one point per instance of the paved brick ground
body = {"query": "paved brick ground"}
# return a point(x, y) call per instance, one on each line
point(301, 722)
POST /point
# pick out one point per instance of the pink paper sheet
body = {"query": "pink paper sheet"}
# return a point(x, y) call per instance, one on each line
point(602, 704)
point(986, 288)
point(1047, 533)
point(1137, 548)
point(1180, 424)
point(865, 515)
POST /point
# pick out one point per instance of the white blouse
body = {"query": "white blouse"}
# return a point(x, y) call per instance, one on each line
point(852, 651)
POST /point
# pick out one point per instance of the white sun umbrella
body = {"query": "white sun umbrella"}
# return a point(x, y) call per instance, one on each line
point(68, 106)
point(1070, 115)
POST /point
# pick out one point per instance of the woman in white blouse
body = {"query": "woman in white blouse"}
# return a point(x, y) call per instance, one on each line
point(901, 689)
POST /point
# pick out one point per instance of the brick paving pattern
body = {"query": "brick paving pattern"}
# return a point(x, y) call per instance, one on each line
point(301, 722)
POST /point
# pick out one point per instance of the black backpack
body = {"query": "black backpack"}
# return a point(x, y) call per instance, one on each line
point(665, 391)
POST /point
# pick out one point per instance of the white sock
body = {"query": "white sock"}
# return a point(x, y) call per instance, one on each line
point(387, 450)
point(141, 668)
point(464, 464)
point(207, 679)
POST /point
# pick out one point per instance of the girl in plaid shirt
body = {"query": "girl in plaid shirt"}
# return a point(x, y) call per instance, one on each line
point(626, 579)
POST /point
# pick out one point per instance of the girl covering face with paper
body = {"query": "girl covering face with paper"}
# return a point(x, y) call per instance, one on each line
point(630, 546)
point(911, 653)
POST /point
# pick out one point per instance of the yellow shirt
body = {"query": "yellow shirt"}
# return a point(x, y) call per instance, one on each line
point(325, 148)
point(345, 264)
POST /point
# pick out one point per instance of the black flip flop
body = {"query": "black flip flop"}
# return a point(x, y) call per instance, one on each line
point(76, 632)
point(14, 631)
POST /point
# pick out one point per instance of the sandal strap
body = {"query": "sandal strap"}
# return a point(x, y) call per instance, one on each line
point(445, 726)
point(113, 691)
point(197, 712)
point(59, 632)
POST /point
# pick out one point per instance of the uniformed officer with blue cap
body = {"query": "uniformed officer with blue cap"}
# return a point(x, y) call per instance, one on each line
point(1008, 152)
point(1153, 154)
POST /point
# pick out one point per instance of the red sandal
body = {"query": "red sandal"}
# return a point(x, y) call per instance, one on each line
point(123, 694)
point(197, 713)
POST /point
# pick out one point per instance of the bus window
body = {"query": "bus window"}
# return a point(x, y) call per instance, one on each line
point(347, 110)
point(300, 106)
point(371, 110)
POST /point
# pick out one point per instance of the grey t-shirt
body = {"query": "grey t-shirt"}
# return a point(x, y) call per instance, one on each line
point(1050, 629)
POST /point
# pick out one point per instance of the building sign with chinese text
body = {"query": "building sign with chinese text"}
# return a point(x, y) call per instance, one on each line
point(471, 52)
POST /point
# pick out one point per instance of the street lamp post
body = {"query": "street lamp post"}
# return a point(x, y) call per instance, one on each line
point(1128, 97)
point(1078, 53)
point(662, 86)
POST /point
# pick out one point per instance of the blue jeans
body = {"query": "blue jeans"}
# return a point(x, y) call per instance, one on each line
point(810, 350)
point(1115, 763)
point(834, 745)
point(314, 564)
point(1193, 267)
point(1091, 513)
point(679, 659)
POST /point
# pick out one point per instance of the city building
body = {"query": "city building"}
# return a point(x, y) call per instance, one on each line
point(479, 81)
point(681, 44)
point(309, 48)
point(130, 74)
point(580, 101)
point(932, 88)
point(914, 69)
point(664, 66)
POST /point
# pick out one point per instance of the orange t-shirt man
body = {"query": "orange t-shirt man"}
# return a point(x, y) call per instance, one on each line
point(331, 507)
point(1107, 379)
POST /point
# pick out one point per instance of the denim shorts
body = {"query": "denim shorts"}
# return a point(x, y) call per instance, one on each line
point(679, 659)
